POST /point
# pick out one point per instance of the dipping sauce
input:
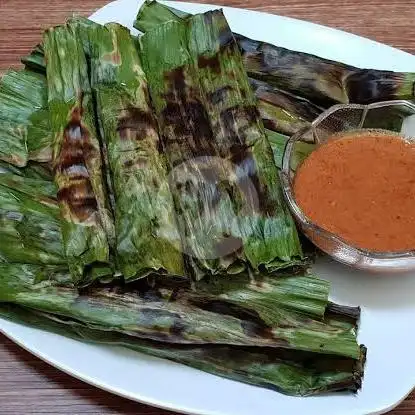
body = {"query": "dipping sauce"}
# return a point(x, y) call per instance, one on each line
point(361, 189)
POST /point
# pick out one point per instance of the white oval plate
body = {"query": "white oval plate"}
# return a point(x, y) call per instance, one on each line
point(388, 304)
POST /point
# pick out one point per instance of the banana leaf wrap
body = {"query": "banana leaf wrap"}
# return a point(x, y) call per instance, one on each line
point(32, 170)
point(292, 373)
point(30, 221)
point(169, 315)
point(87, 225)
point(147, 236)
point(282, 111)
point(35, 61)
point(25, 132)
point(225, 185)
point(322, 81)
point(268, 299)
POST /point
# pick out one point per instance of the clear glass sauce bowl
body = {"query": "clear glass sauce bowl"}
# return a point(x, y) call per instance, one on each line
point(397, 117)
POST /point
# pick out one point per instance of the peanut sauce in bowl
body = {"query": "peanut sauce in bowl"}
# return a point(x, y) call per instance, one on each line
point(353, 194)
point(361, 189)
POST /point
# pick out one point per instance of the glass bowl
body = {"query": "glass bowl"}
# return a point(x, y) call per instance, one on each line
point(395, 116)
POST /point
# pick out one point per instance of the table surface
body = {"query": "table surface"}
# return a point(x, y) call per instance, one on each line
point(28, 385)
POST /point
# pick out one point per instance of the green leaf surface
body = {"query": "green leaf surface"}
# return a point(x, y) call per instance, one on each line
point(298, 374)
point(226, 188)
point(30, 221)
point(147, 236)
point(87, 225)
point(172, 315)
point(322, 81)
point(25, 132)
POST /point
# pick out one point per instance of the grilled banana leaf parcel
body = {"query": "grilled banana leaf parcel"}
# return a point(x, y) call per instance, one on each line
point(291, 373)
point(168, 315)
point(226, 189)
point(280, 111)
point(87, 226)
point(322, 81)
point(30, 221)
point(24, 118)
point(147, 236)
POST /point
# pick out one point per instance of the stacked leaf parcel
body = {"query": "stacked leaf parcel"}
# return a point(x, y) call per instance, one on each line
point(141, 205)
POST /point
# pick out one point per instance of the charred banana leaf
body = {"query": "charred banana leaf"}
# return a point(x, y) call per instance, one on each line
point(153, 13)
point(170, 315)
point(269, 299)
point(281, 111)
point(322, 81)
point(291, 373)
point(228, 198)
point(87, 226)
point(19, 278)
point(147, 236)
point(35, 61)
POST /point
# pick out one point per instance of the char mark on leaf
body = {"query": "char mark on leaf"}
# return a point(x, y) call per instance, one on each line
point(185, 114)
point(236, 121)
point(72, 163)
point(219, 95)
point(135, 124)
point(366, 86)
point(80, 199)
point(210, 62)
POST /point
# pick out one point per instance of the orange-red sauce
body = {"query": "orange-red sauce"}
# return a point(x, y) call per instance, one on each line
point(362, 189)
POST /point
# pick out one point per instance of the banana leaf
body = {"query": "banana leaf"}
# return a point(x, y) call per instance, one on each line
point(32, 170)
point(168, 315)
point(153, 13)
point(228, 199)
point(87, 225)
point(269, 299)
point(40, 190)
point(24, 120)
point(278, 142)
point(30, 221)
point(147, 236)
point(298, 374)
point(35, 61)
point(322, 81)
point(282, 111)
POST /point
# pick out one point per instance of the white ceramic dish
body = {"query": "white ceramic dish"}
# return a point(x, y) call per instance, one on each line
point(388, 302)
